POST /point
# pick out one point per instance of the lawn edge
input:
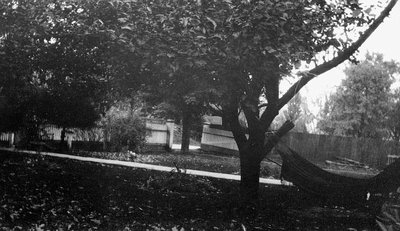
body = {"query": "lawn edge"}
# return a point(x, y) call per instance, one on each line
point(145, 166)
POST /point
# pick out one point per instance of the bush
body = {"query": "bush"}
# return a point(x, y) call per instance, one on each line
point(127, 133)
point(124, 128)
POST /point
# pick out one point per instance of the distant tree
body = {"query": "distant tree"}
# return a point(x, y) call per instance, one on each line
point(294, 108)
point(296, 111)
point(361, 105)
point(393, 122)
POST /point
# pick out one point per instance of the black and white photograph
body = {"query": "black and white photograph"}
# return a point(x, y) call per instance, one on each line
point(199, 115)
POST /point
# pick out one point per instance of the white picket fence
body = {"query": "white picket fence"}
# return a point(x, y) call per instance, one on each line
point(7, 137)
point(159, 133)
point(218, 140)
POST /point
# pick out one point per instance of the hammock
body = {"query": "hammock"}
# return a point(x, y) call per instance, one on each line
point(315, 180)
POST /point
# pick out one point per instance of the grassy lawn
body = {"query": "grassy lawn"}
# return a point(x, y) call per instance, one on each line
point(195, 160)
point(45, 193)
point(205, 161)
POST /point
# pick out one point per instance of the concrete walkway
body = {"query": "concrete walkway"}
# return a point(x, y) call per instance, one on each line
point(145, 166)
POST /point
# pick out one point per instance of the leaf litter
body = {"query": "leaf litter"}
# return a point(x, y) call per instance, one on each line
point(44, 193)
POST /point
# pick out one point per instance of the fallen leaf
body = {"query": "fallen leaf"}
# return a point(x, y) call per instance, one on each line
point(96, 221)
point(39, 228)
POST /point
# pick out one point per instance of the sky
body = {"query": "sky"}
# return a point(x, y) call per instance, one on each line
point(385, 40)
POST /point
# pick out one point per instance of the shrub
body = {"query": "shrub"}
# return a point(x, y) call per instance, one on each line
point(127, 133)
point(124, 128)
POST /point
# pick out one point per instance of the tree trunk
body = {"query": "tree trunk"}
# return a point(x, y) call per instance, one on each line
point(251, 155)
point(186, 126)
point(62, 135)
point(63, 144)
point(250, 173)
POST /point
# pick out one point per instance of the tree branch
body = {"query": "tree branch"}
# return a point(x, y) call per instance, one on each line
point(272, 95)
point(309, 75)
point(272, 140)
point(251, 112)
point(232, 115)
point(262, 105)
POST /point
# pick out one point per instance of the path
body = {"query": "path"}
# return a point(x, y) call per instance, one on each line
point(145, 166)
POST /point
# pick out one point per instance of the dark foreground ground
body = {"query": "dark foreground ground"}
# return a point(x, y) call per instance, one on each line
point(39, 194)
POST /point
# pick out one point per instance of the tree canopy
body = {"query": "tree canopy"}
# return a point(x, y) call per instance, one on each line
point(236, 51)
point(393, 122)
point(224, 55)
point(52, 68)
point(360, 107)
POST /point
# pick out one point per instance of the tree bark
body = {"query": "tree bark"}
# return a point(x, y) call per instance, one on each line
point(250, 173)
point(251, 155)
point(63, 143)
point(187, 121)
point(62, 135)
point(272, 140)
point(252, 150)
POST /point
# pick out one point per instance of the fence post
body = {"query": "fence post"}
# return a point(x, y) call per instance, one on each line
point(69, 142)
point(204, 140)
point(11, 139)
point(170, 133)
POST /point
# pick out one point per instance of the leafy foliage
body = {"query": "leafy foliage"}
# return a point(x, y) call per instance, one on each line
point(124, 127)
point(393, 123)
point(360, 105)
point(228, 52)
point(52, 65)
point(296, 111)
point(200, 53)
point(224, 55)
point(244, 37)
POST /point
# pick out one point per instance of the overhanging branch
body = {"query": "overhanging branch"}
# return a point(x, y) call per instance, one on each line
point(309, 75)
